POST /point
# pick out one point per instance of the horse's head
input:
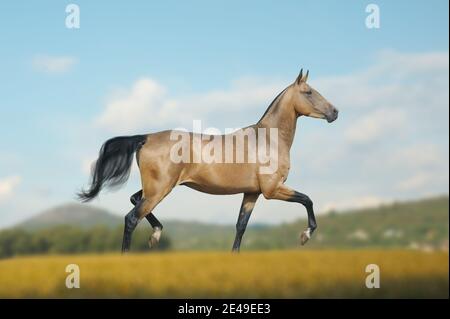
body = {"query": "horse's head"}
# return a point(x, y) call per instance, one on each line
point(309, 102)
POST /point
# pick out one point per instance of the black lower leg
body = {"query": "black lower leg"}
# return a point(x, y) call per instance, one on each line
point(241, 225)
point(307, 202)
point(131, 221)
point(154, 221)
point(136, 197)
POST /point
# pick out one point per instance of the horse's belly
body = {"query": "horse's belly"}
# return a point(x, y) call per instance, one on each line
point(222, 179)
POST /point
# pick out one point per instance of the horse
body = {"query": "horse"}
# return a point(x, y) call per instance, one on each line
point(160, 173)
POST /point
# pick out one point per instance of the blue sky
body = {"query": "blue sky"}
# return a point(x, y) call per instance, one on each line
point(54, 120)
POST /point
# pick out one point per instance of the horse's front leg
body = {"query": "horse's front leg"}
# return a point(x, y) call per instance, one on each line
point(285, 193)
point(248, 203)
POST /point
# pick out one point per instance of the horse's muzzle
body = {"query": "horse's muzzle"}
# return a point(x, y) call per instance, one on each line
point(332, 115)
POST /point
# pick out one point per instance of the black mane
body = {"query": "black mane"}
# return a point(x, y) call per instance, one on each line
point(271, 104)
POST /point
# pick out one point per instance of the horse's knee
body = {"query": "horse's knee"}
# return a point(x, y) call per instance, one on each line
point(269, 193)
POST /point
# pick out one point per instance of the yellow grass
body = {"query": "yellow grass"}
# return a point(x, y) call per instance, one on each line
point(274, 274)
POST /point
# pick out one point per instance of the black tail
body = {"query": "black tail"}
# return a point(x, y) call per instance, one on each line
point(113, 164)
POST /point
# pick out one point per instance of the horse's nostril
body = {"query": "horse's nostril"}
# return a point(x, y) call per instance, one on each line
point(335, 111)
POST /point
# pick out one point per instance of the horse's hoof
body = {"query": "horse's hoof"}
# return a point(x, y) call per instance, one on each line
point(305, 236)
point(152, 242)
point(154, 238)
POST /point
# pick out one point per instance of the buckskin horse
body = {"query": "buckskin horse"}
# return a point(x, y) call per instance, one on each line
point(160, 174)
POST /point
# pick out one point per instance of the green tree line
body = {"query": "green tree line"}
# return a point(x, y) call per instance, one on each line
point(69, 239)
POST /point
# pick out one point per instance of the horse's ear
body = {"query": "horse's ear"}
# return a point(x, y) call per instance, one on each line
point(306, 77)
point(299, 77)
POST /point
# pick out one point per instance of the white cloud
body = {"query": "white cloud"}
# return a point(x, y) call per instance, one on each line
point(376, 124)
point(417, 181)
point(53, 64)
point(395, 80)
point(419, 167)
point(419, 156)
point(148, 104)
point(8, 185)
point(402, 65)
point(354, 202)
point(144, 102)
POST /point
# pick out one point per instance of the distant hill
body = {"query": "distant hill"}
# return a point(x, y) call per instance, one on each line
point(87, 216)
point(84, 216)
point(421, 224)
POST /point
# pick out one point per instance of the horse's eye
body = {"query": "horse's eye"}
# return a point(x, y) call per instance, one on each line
point(308, 92)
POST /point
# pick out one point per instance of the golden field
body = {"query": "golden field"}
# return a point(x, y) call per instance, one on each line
point(268, 274)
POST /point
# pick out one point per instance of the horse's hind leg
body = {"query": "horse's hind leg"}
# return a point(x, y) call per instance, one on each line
point(142, 209)
point(157, 230)
point(136, 197)
point(151, 218)
point(154, 190)
point(131, 221)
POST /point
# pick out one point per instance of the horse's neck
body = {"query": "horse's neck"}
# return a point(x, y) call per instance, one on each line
point(283, 117)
